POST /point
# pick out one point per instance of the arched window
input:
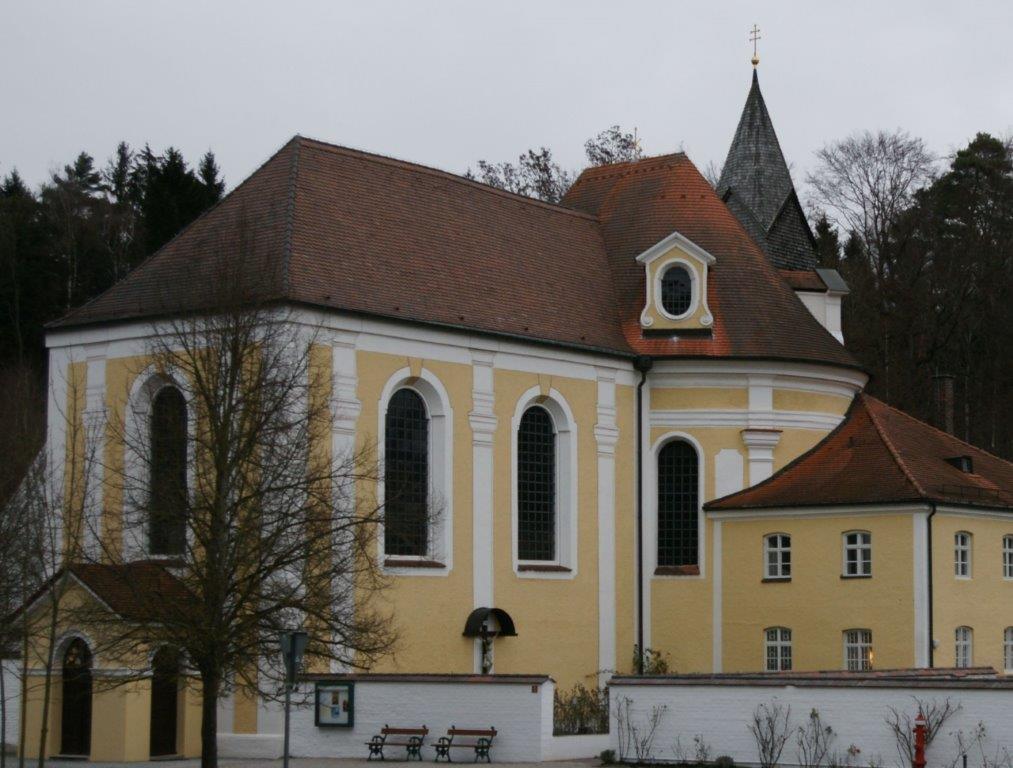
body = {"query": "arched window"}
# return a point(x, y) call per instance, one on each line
point(858, 650)
point(963, 647)
point(168, 490)
point(962, 555)
point(678, 506)
point(857, 554)
point(777, 649)
point(406, 476)
point(777, 556)
point(1007, 650)
point(1007, 557)
point(536, 486)
point(75, 730)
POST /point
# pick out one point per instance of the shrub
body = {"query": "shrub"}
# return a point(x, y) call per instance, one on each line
point(607, 756)
point(580, 710)
point(724, 761)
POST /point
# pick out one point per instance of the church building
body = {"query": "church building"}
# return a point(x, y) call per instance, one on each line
point(637, 407)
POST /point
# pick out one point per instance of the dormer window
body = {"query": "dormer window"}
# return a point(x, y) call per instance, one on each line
point(676, 290)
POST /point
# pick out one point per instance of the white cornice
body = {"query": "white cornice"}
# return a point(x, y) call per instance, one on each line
point(675, 239)
point(745, 419)
point(840, 510)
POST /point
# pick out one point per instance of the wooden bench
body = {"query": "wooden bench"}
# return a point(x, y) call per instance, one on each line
point(411, 740)
point(478, 739)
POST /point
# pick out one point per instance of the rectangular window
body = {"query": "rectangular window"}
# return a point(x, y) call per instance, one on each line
point(777, 649)
point(858, 553)
point(777, 555)
point(964, 647)
point(1007, 647)
point(962, 555)
point(1007, 557)
point(858, 650)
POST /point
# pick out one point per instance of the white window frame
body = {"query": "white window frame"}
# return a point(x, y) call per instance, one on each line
point(565, 426)
point(773, 544)
point(858, 652)
point(1007, 647)
point(963, 647)
point(963, 544)
point(862, 544)
point(780, 644)
point(694, 287)
point(441, 463)
point(1007, 556)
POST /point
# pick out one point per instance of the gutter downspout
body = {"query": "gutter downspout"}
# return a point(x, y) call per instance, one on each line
point(932, 642)
point(643, 363)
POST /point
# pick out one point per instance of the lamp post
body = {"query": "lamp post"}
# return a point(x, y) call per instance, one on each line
point(293, 645)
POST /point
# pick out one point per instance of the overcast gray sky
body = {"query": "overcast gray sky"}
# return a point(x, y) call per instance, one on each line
point(446, 83)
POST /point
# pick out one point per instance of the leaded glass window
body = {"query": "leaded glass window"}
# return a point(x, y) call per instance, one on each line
point(962, 555)
point(676, 291)
point(678, 505)
point(963, 647)
point(858, 553)
point(168, 489)
point(536, 486)
point(406, 475)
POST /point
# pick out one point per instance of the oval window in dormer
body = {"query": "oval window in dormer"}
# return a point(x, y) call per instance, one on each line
point(676, 290)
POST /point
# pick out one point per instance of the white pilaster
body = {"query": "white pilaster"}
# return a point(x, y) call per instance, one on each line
point(93, 423)
point(345, 410)
point(761, 444)
point(57, 424)
point(483, 430)
point(606, 433)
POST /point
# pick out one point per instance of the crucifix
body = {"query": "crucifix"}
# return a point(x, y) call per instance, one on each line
point(754, 35)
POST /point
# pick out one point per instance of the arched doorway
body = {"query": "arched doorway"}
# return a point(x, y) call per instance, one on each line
point(164, 702)
point(75, 736)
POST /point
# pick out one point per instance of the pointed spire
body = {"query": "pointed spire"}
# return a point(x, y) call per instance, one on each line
point(757, 186)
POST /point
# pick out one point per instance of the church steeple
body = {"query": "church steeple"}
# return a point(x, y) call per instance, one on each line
point(756, 185)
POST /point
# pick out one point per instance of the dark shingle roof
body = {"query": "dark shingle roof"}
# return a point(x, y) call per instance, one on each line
point(334, 227)
point(756, 185)
point(881, 455)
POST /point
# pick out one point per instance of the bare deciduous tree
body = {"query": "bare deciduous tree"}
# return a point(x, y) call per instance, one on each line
point(902, 724)
point(771, 730)
point(264, 529)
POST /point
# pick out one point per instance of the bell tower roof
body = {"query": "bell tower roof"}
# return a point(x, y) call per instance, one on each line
point(756, 185)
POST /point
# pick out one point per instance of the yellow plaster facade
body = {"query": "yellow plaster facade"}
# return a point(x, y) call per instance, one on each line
point(579, 618)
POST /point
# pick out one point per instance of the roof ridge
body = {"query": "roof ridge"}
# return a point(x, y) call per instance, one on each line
point(150, 257)
point(892, 448)
point(428, 169)
point(942, 432)
point(286, 248)
point(620, 169)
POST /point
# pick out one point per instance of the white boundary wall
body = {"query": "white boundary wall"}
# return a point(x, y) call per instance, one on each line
point(519, 707)
point(12, 694)
point(721, 712)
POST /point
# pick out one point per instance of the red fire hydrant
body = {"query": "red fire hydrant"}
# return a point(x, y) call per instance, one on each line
point(919, 758)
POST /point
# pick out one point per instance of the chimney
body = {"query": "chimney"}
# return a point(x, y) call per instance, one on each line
point(942, 401)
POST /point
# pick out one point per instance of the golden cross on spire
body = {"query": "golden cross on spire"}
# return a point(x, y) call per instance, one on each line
point(754, 35)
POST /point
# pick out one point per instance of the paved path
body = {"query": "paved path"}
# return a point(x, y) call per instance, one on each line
point(296, 762)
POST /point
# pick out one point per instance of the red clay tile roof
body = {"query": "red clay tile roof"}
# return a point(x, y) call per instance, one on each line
point(141, 591)
point(879, 455)
point(756, 313)
point(338, 228)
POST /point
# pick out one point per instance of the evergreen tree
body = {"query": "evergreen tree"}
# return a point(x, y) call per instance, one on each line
point(210, 176)
point(828, 243)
